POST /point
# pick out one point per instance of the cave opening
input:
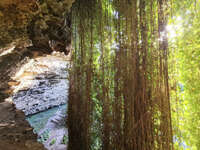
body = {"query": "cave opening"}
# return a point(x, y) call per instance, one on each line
point(35, 45)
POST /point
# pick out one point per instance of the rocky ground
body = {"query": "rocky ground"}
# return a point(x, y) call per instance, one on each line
point(50, 127)
point(54, 133)
point(41, 84)
point(39, 88)
point(16, 133)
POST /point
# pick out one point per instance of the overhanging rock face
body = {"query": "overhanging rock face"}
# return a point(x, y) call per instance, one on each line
point(50, 28)
point(45, 22)
point(15, 15)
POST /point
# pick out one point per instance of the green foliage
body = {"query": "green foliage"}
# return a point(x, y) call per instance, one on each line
point(64, 140)
point(185, 52)
point(44, 137)
point(52, 142)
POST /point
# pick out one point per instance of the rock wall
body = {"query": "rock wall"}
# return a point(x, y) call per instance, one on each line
point(47, 24)
point(15, 15)
point(16, 133)
point(50, 28)
point(9, 64)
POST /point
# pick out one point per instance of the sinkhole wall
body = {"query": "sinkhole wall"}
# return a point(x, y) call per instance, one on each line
point(40, 25)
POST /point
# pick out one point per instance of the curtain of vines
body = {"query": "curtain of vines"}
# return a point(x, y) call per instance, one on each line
point(119, 76)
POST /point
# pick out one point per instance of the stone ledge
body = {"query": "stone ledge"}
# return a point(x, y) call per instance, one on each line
point(16, 133)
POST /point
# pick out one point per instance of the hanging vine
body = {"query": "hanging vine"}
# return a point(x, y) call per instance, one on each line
point(119, 75)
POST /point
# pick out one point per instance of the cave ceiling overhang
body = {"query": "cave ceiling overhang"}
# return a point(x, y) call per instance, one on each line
point(22, 20)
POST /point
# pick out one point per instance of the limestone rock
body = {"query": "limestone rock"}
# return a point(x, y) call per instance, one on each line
point(50, 28)
point(36, 20)
point(15, 15)
point(16, 133)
